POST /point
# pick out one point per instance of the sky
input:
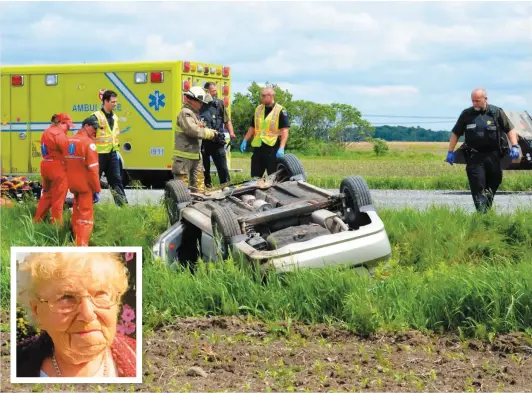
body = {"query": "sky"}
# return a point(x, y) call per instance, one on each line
point(398, 63)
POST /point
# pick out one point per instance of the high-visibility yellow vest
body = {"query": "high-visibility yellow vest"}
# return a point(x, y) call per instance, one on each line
point(106, 139)
point(266, 128)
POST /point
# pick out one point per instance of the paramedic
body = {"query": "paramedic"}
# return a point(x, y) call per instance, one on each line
point(83, 178)
point(187, 165)
point(215, 116)
point(269, 129)
point(107, 146)
point(54, 182)
point(482, 126)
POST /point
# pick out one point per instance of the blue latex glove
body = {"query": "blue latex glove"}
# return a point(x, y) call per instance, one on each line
point(450, 157)
point(95, 197)
point(514, 152)
point(279, 153)
point(243, 146)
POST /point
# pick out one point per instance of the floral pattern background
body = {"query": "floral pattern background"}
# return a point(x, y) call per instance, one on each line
point(126, 319)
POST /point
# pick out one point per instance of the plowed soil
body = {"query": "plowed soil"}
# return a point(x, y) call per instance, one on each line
point(232, 354)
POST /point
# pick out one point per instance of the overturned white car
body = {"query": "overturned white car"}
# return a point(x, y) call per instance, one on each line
point(280, 221)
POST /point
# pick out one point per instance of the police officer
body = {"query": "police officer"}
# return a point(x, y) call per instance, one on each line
point(483, 125)
point(269, 129)
point(215, 116)
point(107, 146)
point(187, 165)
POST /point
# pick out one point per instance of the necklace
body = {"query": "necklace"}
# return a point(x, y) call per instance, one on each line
point(58, 372)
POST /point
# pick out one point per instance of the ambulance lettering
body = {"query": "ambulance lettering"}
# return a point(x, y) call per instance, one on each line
point(91, 107)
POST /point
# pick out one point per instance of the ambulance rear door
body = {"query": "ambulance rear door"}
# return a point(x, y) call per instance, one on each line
point(5, 90)
point(197, 74)
point(19, 123)
point(47, 98)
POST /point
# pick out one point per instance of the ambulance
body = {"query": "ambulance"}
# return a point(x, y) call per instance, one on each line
point(150, 94)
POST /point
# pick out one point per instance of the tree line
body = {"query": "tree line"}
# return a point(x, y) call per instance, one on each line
point(318, 127)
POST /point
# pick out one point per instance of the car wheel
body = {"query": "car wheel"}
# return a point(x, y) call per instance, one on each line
point(290, 165)
point(175, 192)
point(357, 195)
point(224, 226)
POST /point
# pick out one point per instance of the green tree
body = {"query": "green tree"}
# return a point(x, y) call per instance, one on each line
point(313, 125)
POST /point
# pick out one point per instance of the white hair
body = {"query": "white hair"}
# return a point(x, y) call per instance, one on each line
point(480, 90)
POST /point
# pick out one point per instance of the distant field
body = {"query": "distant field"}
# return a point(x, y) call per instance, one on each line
point(404, 147)
point(408, 165)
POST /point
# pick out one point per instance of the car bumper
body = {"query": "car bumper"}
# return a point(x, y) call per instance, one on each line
point(366, 245)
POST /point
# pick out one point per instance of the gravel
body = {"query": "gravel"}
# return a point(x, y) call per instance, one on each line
point(505, 201)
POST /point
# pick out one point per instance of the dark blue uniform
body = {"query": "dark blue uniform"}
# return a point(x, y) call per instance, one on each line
point(214, 115)
point(484, 132)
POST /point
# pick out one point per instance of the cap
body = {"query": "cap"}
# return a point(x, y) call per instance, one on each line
point(92, 121)
point(64, 118)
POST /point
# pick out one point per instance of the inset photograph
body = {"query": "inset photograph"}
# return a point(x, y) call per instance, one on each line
point(76, 315)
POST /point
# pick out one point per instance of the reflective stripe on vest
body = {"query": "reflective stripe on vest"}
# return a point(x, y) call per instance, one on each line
point(186, 154)
point(181, 153)
point(106, 139)
point(266, 128)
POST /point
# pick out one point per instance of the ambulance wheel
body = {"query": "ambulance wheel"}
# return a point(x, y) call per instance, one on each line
point(175, 194)
point(357, 195)
point(289, 165)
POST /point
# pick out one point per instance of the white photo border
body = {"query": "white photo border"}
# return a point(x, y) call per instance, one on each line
point(138, 312)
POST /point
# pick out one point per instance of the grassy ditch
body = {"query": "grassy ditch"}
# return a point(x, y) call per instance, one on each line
point(450, 271)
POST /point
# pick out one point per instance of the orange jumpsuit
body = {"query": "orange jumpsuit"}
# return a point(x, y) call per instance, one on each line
point(83, 180)
point(54, 182)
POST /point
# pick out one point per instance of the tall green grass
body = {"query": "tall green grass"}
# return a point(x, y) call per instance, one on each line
point(449, 270)
point(473, 299)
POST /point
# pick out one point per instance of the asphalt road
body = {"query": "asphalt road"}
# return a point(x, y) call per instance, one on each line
point(390, 199)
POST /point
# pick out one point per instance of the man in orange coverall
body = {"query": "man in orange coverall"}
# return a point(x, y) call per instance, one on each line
point(83, 178)
point(54, 182)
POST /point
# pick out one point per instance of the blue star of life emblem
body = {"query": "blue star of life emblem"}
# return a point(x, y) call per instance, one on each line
point(157, 100)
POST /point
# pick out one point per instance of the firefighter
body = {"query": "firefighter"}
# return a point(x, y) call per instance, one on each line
point(82, 167)
point(107, 146)
point(269, 129)
point(483, 124)
point(54, 144)
point(187, 165)
point(215, 116)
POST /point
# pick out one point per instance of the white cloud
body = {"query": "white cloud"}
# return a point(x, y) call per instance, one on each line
point(392, 57)
point(157, 49)
point(512, 101)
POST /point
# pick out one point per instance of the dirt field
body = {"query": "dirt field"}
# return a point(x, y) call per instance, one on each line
point(229, 354)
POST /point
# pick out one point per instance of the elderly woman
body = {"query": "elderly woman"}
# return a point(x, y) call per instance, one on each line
point(74, 298)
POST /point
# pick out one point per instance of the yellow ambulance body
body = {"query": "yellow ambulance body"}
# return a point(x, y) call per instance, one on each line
point(150, 94)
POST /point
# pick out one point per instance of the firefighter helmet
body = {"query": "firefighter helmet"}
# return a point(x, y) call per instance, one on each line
point(198, 93)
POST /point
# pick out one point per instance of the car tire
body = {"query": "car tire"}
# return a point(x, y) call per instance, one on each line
point(290, 166)
point(357, 195)
point(175, 193)
point(224, 226)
